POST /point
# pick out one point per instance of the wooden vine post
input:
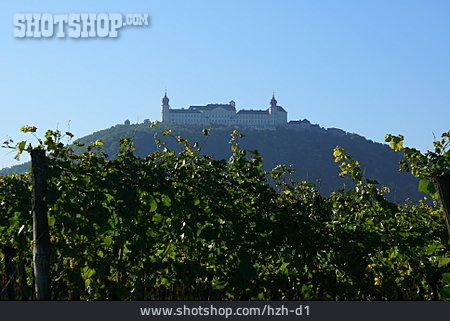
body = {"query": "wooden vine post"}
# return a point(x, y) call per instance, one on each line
point(41, 237)
point(443, 188)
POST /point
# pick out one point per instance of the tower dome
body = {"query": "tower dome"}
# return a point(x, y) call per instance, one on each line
point(165, 99)
point(273, 101)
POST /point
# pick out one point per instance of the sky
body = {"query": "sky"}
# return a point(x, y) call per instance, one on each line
point(368, 67)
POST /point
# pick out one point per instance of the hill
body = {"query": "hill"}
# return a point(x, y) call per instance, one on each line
point(306, 149)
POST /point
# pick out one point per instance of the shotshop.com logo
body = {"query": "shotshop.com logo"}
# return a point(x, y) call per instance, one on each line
point(75, 25)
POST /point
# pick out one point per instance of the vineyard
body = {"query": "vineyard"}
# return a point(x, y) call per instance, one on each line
point(185, 226)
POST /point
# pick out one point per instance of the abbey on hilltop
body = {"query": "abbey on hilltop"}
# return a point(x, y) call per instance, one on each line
point(225, 114)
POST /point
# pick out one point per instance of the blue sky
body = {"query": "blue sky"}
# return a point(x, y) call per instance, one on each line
point(370, 67)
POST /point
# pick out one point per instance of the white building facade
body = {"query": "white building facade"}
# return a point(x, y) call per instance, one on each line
point(225, 115)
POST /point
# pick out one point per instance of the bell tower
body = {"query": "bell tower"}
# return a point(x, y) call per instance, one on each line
point(165, 108)
point(273, 105)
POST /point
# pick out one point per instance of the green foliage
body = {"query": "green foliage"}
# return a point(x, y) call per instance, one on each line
point(428, 166)
point(427, 187)
point(432, 167)
point(183, 225)
point(395, 142)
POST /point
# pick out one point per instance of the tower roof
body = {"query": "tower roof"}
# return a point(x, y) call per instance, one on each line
point(165, 99)
point(273, 101)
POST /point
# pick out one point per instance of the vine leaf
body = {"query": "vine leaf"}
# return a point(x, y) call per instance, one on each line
point(427, 187)
point(19, 149)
